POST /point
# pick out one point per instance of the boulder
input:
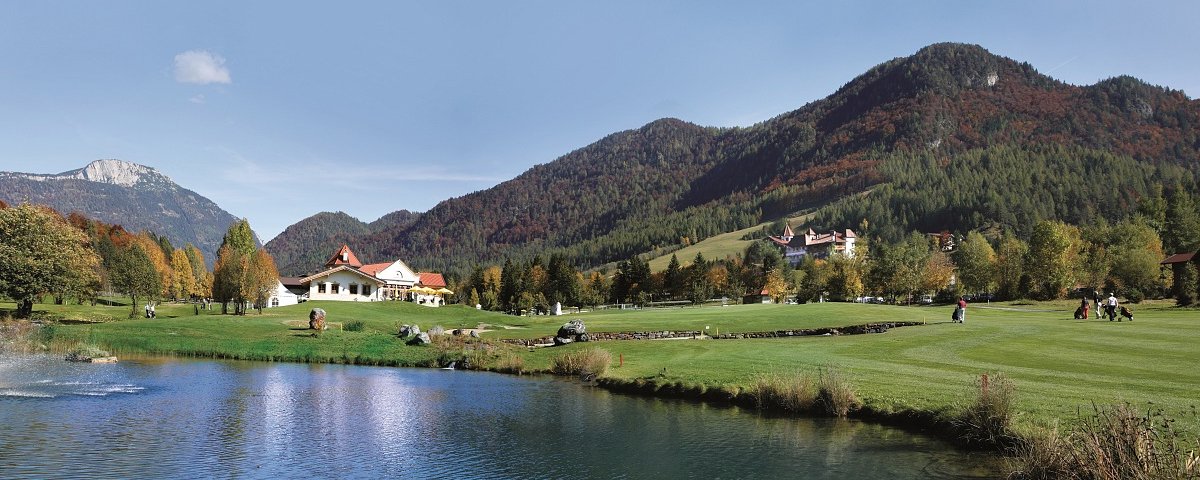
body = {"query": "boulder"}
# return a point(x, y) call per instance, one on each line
point(316, 319)
point(420, 339)
point(571, 329)
point(474, 334)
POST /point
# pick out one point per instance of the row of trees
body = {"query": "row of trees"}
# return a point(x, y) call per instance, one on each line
point(73, 257)
point(1049, 263)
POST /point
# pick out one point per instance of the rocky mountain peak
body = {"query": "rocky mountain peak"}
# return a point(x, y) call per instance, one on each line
point(115, 172)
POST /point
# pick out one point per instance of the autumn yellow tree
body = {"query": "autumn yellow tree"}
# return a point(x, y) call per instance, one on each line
point(262, 278)
point(162, 265)
point(202, 278)
point(244, 272)
point(183, 281)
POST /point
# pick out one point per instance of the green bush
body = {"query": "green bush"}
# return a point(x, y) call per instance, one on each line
point(354, 326)
point(1135, 296)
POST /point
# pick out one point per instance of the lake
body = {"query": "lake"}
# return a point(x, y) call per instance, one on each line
point(172, 418)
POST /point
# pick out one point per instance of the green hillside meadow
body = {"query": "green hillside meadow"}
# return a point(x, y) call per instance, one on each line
point(1060, 366)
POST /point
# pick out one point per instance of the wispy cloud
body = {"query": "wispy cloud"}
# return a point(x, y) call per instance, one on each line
point(201, 67)
point(197, 99)
point(315, 171)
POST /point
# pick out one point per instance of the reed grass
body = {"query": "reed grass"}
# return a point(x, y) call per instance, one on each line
point(835, 394)
point(794, 392)
point(588, 362)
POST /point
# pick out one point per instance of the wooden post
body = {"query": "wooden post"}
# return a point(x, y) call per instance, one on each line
point(983, 384)
point(622, 360)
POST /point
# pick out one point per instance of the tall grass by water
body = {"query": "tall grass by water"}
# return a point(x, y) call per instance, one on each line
point(1111, 443)
point(591, 362)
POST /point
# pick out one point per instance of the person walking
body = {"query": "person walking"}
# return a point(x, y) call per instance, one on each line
point(1110, 307)
point(962, 304)
point(1083, 305)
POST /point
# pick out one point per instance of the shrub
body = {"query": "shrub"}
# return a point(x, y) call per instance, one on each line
point(792, 393)
point(835, 394)
point(437, 331)
point(987, 420)
point(1135, 296)
point(590, 362)
point(354, 326)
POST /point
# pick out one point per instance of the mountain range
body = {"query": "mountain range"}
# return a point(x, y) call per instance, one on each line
point(878, 153)
point(952, 137)
point(134, 196)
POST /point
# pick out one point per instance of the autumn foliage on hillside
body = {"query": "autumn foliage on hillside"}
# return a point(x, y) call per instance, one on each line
point(671, 182)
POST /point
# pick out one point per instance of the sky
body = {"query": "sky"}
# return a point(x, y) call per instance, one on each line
point(279, 110)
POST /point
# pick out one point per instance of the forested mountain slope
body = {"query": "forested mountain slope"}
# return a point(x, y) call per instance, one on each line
point(948, 131)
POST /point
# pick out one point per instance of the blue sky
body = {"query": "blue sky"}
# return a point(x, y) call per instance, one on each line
point(279, 110)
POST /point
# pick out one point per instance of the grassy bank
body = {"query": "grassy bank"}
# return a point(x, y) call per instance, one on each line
point(279, 334)
point(1058, 366)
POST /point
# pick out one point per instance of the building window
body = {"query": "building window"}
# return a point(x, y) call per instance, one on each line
point(366, 289)
point(320, 288)
point(274, 301)
point(354, 289)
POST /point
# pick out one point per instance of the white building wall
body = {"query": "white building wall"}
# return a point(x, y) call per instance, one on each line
point(337, 287)
point(281, 297)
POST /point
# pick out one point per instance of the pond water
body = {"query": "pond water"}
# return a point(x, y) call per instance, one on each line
point(160, 418)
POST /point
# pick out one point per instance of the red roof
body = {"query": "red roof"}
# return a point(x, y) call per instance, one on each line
point(374, 268)
point(343, 257)
point(427, 279)
point(1178, 258)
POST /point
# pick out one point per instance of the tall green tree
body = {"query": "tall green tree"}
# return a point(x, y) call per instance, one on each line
point(1181, 232)
point(40, 253)
point(976, 262)
point(698, 284)
point(562, 281)
point(1011, 276)
point(674, 278)
point(1054, 259)
point(133, 274)
point(241, 274)
point(1136, 250)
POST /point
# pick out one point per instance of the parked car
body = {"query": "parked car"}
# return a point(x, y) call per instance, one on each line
point(926, 300)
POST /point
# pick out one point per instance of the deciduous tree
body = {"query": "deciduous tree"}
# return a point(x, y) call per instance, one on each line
point(40, 253)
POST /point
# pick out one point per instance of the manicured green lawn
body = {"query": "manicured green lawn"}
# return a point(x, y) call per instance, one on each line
point(279, 334)
point(1060, 366)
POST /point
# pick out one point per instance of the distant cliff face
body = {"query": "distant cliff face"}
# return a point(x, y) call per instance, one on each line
point(135, 196)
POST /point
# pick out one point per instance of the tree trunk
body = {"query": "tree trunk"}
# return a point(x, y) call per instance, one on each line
point(24, 308)
point(133, 310)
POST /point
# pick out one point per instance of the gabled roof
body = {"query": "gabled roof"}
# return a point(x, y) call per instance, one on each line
point(290, 281)
point(1178, 258)
point(787, 230)
point(431, 279)
point(374, 268)
point(343, 256)
point(339, 268)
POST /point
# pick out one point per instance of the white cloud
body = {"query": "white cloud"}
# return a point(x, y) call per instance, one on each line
point(197, 99)
point(201, 67)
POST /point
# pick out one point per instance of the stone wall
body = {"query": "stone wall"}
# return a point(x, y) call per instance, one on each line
point(666, 334)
